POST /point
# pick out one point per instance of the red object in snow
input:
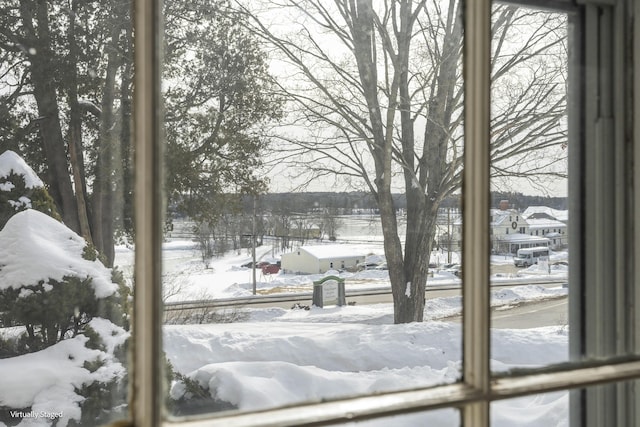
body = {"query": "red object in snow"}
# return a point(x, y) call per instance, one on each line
point(270, 269)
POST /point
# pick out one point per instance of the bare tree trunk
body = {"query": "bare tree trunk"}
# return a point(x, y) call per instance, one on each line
point(106, 181)
point(124, 189)
point(407, 272)
point(103, 185)
point(44, 90)
point(75, 130)
point(427, 188)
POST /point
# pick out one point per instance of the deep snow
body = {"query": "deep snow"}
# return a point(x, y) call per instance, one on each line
point(278, 356)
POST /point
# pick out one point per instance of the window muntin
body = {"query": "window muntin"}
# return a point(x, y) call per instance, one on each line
point(442, 417)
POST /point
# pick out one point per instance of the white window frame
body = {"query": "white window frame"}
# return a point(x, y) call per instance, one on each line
point(477, 387)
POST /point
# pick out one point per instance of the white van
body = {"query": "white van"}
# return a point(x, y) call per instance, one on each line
point(530, 256)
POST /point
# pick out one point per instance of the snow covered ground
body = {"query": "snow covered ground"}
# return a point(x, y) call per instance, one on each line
point(280, 357)
point(276, 356)
point(273, 356)
point(186, 277)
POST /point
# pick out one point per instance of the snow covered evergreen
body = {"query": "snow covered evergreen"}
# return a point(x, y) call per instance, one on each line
point(63, 314)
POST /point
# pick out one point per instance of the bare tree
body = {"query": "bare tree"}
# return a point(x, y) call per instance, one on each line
point(329, 223)
point(206, 237)
point(377, 88)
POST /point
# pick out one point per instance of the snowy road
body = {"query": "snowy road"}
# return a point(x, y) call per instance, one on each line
point(519, 315)
point(532, 315)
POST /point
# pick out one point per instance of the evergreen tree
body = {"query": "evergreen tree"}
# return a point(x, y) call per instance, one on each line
point(55, 285)
point(21, 189)
point(218, 99)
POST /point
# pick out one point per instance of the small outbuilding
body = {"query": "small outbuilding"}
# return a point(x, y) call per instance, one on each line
point(318, 259)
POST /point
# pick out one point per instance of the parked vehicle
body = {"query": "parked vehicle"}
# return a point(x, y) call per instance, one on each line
point(258, 264)
point(367, 266)
point(381, 266)
point(270, 269)
point(453, 268)
point(529, 256)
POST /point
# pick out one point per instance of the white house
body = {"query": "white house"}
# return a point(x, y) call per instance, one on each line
point(507, 221)
point(316, 259)
point(550, 223)
point(553, 230)
point(511, 230)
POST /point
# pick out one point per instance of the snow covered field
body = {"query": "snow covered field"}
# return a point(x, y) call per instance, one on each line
point(186, 277)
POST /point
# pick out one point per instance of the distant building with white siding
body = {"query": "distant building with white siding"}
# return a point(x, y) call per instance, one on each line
point(318, 259)
point(511, 230)
point(550, 223)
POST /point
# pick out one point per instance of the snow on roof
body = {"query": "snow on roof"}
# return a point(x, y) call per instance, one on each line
point(35, 247)
point(523, 238)
point(544, 223)
point(560, 215)
point(11, 162)
point(332, 251)
point(499, 216)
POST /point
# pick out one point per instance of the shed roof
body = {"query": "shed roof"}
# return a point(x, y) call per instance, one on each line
point(332, 251)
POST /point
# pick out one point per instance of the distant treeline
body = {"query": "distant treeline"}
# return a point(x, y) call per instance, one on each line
point(354, 202)
point(521, 202)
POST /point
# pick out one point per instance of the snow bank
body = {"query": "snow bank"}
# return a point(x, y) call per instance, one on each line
point(261, 385)
point(525, 293)
point(335, 347)
point(46, 381)
point(35, 247)
point(292, 357)
point(281, 356)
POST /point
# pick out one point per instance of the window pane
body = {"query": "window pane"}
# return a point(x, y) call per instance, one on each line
point(566, 407)
point(529, 221)
point(548, 409)
point(314, 160)
point(65, 211)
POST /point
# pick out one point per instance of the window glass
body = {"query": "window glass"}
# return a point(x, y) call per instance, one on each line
point(562, 408)
point(65, 211)
point(529, 198)
point(314, 158)
point(546, 409)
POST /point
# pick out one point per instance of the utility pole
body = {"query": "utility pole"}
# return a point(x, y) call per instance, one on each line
point(449, 236)
point(253, 242)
